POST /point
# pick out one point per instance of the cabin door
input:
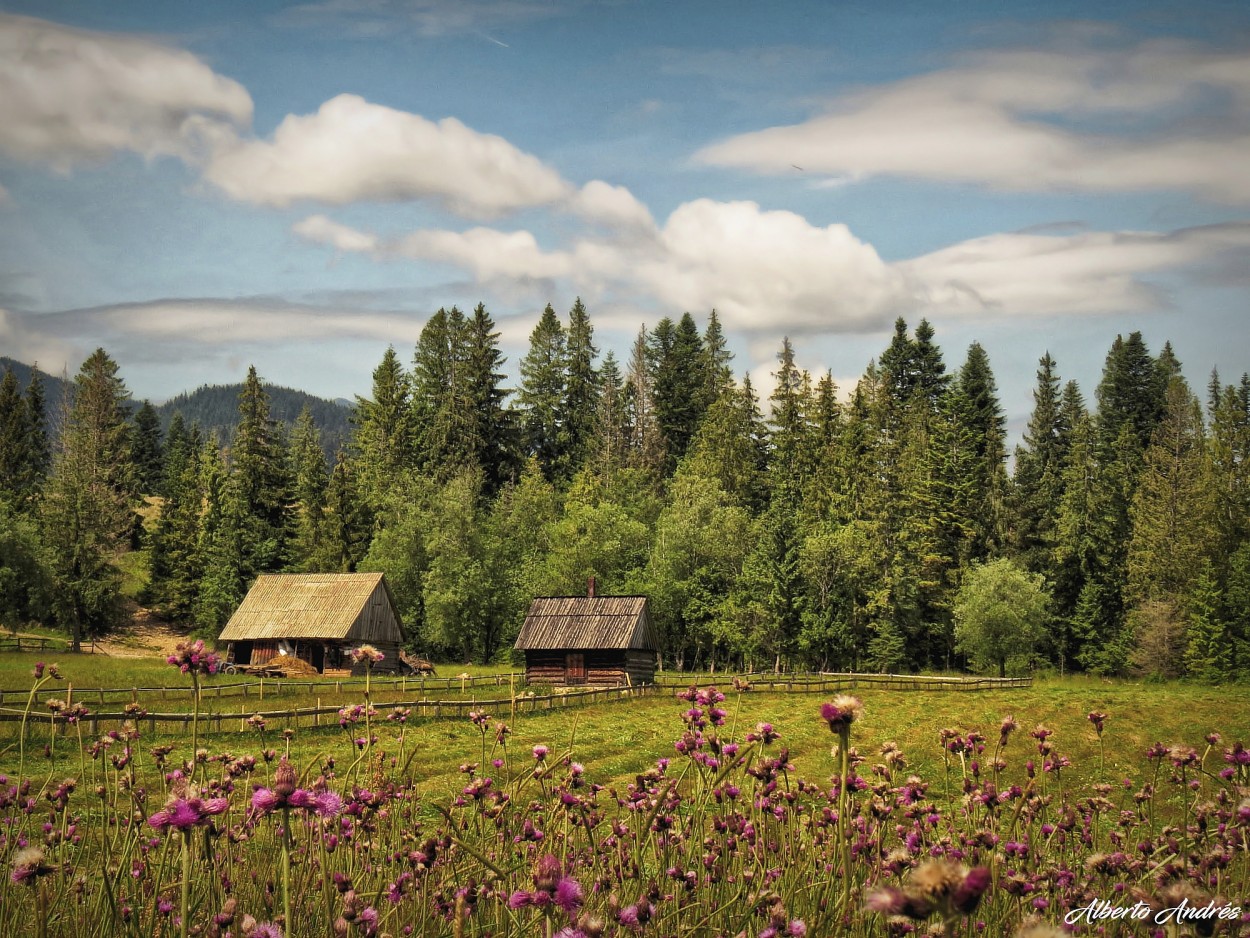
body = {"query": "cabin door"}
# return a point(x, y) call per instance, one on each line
point(575, 668)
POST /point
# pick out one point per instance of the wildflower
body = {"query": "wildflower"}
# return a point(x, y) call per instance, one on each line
point(193, 658)
point(841, 712)
point(187, 811)
point(1097, 719)
point(540, 752)
point(265, 930)
point(367, 655)
point(28, 866)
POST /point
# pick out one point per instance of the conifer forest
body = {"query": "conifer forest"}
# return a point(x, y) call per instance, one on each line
point(884, 527)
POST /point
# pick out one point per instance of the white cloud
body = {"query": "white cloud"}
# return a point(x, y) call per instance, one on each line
point(1085, 273)
point(597, 201)
point(487, 253)
point(1013, 120)
point(321, 230)
point(352, 150)
point(69, 95)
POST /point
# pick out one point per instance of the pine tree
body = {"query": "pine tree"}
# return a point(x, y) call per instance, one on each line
point(494, 437)
point(730, 447)
point(788, 427)
point(1131, 392)
point(1172, 508)
point(544, 377)
point(310, 479)
point(646, 442)
point(39, 446)
point(981, 415)
point(347, 523)
point(581, 392)
point(261, 483)
point(677, 361)
point(718, 378)
point(1037, 482)
point(383, 444)
point(149, 452)
point(611, 441)
point(445, 423)
point(87, 508)
point(1209, 643)
point(177, 563)
point(14, 439)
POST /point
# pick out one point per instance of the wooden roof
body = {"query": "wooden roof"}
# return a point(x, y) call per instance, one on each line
point(587, 622)
point(355, 606)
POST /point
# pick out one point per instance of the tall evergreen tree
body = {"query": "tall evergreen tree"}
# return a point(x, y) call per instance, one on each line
point(581, 392)
point(149, 451)
point(347, 523)
point(718, 377)
point(678, 361)
point(1172, 506)
point(261, 483)
point(981, 415)
point(383, 443)
point(495, 444)
point(87, 507)
point(544, 379)
point(310, 479)
point(39, 446)
point(14, 439)
point(646, 442)
point(1131, 391)
point(1037, 482)
point(611, 441)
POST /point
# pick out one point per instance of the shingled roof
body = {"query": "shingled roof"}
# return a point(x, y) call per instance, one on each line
point(582, 622)
point(315, 606)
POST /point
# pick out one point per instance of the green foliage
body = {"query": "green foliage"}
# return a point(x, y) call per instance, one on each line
point(1000, 614)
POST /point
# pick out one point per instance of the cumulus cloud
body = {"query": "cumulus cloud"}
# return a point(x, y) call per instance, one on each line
point(368, 18)
point(352, 150)
point(1084, 273)
point(69, 95)
point(1014, 120)
point(772, 271)
point(321, 230)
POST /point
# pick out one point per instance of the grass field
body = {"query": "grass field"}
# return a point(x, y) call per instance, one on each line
point(617, 740)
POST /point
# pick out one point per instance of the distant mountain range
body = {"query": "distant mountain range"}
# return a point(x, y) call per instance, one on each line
point(216, 407)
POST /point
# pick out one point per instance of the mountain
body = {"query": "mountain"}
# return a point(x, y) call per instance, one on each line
point(216, 409)
point(53, 388)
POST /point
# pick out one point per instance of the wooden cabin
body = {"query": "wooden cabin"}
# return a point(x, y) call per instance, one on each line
point(318, 618)
point(594, 640)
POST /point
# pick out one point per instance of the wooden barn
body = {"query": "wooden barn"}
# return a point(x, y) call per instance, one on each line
point(604, 640)
point(316, 617)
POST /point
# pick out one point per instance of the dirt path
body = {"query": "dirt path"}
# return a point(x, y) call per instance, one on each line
point(147, 636)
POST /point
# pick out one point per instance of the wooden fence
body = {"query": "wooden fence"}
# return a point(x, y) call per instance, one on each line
point(211, 689)
point(295, 717)
point(30, 643)
point(829, 682)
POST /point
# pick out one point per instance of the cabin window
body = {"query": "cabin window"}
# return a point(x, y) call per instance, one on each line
point(575, 668)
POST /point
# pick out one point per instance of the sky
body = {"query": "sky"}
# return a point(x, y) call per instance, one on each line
point(202, 187)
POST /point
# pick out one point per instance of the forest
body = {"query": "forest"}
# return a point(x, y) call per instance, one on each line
point(877, 528)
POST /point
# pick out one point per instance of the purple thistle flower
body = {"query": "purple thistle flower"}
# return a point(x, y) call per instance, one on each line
point(968, 894)
point(264, 801)
point(841, 712)
point(520, 899)
point(569, 895)
point(328, 804)
point(266, 930)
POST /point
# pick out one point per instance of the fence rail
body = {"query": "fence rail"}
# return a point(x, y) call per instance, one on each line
point(294, 717)
point(825, 682)
point(30, 643)
point(262, 687)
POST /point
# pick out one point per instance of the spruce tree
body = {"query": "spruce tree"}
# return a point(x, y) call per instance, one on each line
point(148, 449)
point(646, 442)
point(544, 378)
point(88, 504)
point(14, 439)
point(494, 435)
point(310, 479)
point(1037, 482)
point(980, 414)
point(383, 444)
point(261, 483)
point(677, 362)
point(581, 392)
point(39, 445)
point(611, 438)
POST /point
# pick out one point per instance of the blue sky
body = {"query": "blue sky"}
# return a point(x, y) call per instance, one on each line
point(298, 185)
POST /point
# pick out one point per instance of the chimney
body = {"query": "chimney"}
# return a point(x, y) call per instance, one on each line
point(590, 588)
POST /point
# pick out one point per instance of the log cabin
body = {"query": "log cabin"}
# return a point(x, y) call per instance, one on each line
point(588, 640)
point(317, 617)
